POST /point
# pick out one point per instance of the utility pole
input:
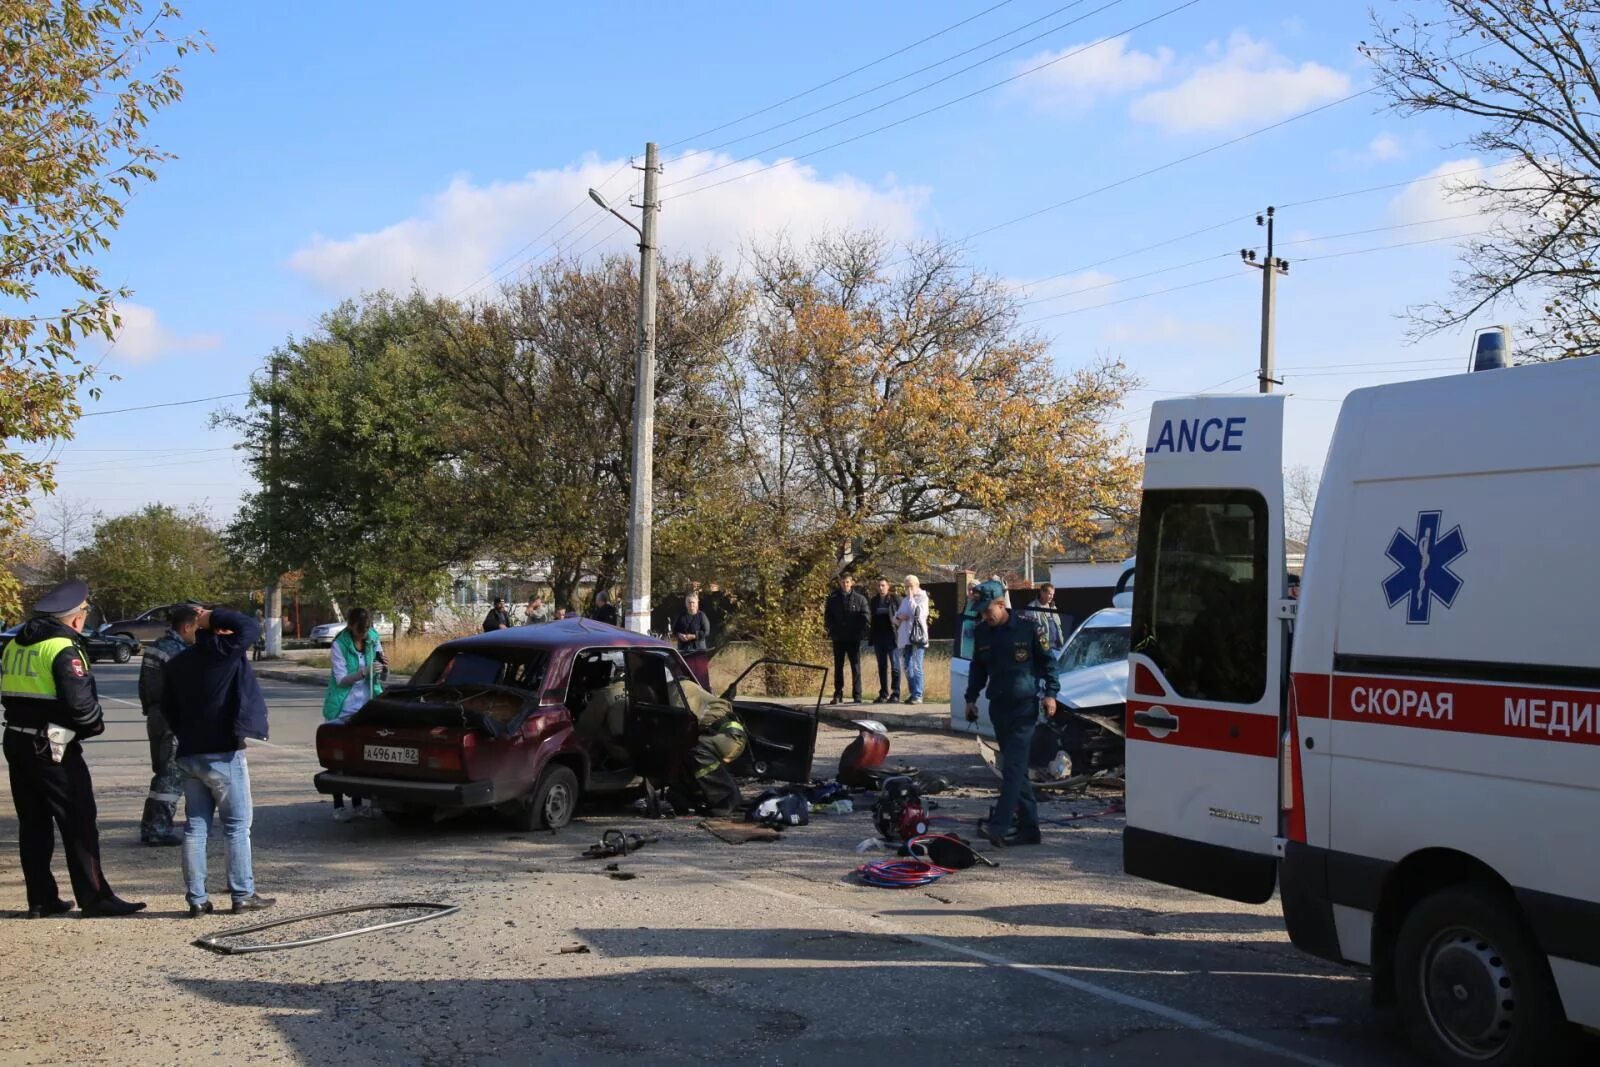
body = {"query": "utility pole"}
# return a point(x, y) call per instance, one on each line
point(641, 502)
point(274, 598)
point(1270, 268)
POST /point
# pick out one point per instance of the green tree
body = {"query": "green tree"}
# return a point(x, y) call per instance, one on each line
point(369, 498)
point(157, 555)
point(77, 89)
point(1523, 76)
point(546, 371)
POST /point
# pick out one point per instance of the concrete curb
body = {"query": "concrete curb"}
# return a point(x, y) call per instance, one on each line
point(839, 714)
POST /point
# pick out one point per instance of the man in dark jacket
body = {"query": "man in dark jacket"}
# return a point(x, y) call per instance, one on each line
point(884, 605)
point(213, 702)
point(166, 778)
point(846, 617)
point(498, 618)
point(51, 703)
point(604, 610)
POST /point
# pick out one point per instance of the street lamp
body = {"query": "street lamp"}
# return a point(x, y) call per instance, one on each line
point(636, 606)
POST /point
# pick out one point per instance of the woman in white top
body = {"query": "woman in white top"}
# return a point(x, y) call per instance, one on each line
point(911, 635)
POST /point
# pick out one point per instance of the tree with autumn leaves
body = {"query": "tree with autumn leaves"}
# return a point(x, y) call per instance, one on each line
point(843, 404)
point(79, 83)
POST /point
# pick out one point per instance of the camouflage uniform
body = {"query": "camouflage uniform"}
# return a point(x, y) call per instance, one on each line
point(166, 784)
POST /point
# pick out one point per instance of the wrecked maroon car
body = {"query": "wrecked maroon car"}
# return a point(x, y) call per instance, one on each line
point(530, 719)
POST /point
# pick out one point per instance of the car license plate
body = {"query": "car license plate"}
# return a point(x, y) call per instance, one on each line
point(388, 754)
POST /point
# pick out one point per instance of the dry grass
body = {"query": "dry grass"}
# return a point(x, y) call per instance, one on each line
point(733, 660)
point(408, 651)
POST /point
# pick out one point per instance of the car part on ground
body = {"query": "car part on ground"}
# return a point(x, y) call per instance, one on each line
point(865, 754)
point(900, 814)
point(1077, 744)
point(214, 942)
point(618, 843)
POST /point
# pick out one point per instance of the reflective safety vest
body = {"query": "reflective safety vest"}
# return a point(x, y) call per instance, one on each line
point(28, 670)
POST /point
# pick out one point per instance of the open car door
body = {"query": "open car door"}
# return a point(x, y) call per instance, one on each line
point(658, 727)
point(1205, 688)
point(782, 738)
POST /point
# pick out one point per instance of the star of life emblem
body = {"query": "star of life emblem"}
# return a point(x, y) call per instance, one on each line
point(1422, 563)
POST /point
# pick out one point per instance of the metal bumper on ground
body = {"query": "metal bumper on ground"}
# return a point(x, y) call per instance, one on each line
point(421, 794)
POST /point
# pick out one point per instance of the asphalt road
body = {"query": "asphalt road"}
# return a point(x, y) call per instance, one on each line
point(754, 953)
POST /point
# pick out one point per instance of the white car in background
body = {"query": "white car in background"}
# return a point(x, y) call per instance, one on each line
point(1093, 670)
point(322, 636)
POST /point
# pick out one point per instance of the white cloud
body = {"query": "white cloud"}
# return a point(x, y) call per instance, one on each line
point(1244, 83)
point(467, 229)
point(1053, 289)
point(1439, 199)
point(142, 337)
point(1384, 147)
point(1166, 329)
point(1102, 68)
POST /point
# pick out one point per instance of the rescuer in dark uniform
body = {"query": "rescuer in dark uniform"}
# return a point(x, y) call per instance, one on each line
point(50, 703)
point(1011, 653)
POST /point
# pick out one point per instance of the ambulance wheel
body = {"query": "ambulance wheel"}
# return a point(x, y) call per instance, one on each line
point(1472, 986)
point(550, 804)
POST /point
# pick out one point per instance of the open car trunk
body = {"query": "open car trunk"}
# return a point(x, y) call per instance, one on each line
point(495, 710)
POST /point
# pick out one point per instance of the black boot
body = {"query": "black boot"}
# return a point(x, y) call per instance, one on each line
point(44, 911)
point(111, 907)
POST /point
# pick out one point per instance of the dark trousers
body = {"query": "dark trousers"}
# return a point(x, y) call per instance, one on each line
point(50, 796)
point(888, 667)
point(1013, 729)
point(847, 650)
point(166, 780)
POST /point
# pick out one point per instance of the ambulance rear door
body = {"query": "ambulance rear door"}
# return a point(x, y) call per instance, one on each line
point(1207, 664)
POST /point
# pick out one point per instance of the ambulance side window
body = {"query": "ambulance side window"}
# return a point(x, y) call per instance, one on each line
point(1200, 599)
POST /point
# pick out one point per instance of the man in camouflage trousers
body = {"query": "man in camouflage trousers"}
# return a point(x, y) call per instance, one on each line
point(166, 783)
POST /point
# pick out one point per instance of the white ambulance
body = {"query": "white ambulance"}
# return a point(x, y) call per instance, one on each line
point(1409, 753)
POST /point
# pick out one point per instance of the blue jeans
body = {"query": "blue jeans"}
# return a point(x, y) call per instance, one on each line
point(913, 670)
point(217, 782)
point(1013, 728)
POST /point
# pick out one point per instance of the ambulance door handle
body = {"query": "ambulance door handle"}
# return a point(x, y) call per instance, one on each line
point(1155, 719)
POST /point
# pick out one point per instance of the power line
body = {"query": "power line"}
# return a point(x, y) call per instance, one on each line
point(928, 111)
point(1130, 278)
point(839, 78)
point(1169, 165)
point(169, 404)
point(1382, 229)
point(1128, 299)
point(895, 81)
point(1385, 248)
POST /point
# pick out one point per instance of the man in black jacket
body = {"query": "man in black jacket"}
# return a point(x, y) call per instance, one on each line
point(846, 617)
point(212, 701)
point(498, 618)
point(51, 704)
point(884, 606)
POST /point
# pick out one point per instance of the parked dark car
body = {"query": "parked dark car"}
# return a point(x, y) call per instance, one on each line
point(491, 721)
point(146, 627)
point(96, 645)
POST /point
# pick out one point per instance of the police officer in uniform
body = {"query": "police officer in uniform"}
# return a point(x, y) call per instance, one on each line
point(166, 781)
point(50, 704)
point(1011, 654)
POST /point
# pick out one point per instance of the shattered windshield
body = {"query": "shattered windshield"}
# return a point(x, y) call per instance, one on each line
point(1091, 648)
point(518, 668)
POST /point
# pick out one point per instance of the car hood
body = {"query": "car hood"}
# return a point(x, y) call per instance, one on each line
point(1104, 683)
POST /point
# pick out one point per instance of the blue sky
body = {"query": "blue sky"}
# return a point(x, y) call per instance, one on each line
point(330, 148)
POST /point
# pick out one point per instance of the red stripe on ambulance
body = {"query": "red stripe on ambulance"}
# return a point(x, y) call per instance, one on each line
point(1216, 729)
point(1536, 713)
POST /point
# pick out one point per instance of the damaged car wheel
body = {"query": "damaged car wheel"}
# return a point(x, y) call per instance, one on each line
point(550, 804)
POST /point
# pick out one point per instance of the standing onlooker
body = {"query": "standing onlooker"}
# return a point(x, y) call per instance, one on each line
point(498, 618)
point(911, 635)
point(692, 630)
point(354, 677)
point(604, 610)
point(213, 702)
point(51, 704)
point(260, 647)
point(537, 611)
point(1049, 621)
point(166, 781)
point(846, 617)
point(884, 605)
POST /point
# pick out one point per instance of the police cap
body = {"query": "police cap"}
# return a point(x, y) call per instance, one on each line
point(63, 599)
point(986, 593)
